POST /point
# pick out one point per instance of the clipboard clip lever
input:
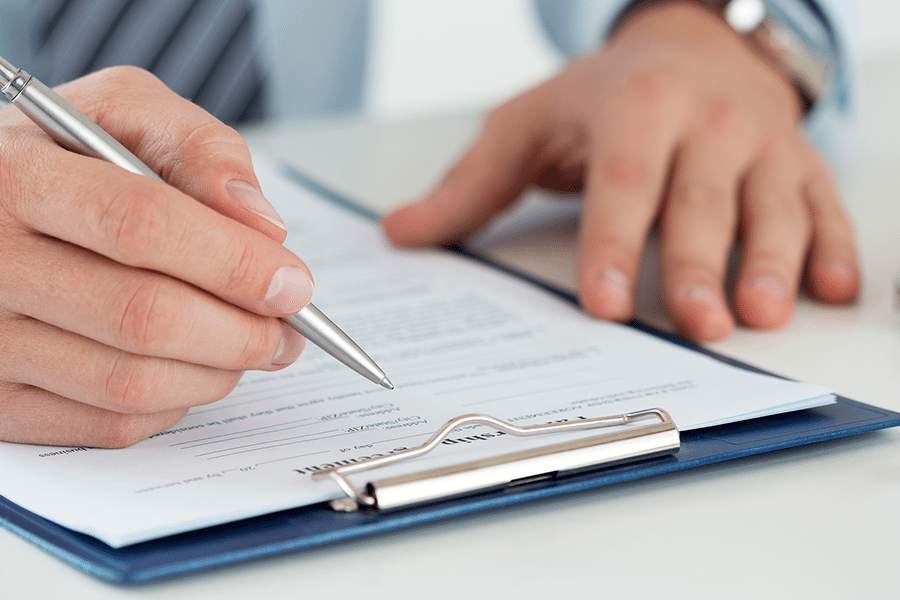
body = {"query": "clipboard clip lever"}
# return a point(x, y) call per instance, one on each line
point(657, 438)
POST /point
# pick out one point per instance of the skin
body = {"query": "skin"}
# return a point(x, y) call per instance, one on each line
point(678, 122)
point(124, 302)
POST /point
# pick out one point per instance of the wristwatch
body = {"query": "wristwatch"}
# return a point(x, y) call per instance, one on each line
point(783, 41)
point(791, 34)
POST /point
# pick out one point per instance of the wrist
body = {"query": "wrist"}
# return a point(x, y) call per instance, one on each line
point(693, 28)
point(788, 35)
point(671, 16)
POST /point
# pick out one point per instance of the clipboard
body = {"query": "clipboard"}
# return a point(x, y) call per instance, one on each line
point(648, 445)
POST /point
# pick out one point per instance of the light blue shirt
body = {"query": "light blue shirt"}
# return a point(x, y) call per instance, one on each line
point(314, 51)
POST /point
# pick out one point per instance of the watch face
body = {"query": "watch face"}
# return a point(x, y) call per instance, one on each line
point(745, 15)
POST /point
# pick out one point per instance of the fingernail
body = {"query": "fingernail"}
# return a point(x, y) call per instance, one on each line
point(712, 322)
point(613, 278)
point(614, 283)
point(611, 293)
point(699, 292)
point(768, 284)
point(249, 197)
point(714, 327)
point(838, 269)
point(290, 346)
point(290, 290)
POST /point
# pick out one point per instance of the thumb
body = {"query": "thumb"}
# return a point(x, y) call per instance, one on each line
point(489, 177)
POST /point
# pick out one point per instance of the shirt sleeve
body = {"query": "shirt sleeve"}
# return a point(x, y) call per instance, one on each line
point(578, 26)
point(18, 40)
point(827, 26)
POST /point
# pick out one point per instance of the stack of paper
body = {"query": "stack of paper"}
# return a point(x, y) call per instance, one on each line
point(455, 337)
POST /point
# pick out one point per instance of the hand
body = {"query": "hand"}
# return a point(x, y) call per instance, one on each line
point(124, 301)
point(678, 120)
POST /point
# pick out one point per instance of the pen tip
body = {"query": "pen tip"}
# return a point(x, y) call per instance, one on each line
point(386, 383)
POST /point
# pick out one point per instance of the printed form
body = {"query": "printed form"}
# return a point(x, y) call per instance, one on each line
point(455, 336)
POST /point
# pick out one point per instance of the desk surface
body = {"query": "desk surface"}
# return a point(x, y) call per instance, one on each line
point(819, 522)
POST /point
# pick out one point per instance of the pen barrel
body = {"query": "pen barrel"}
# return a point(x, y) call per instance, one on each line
point(319, 329)
point(72, 130)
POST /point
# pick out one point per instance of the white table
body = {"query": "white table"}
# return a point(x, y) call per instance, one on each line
point(817, 522)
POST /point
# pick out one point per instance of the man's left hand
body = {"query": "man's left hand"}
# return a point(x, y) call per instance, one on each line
point(677, 120)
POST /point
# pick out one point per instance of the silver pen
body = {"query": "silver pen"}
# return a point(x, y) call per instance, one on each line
point(73, 130)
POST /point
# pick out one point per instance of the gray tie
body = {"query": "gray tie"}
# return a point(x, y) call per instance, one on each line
point(203, 49)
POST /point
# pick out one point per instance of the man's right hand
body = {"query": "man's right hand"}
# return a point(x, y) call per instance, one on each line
point(124, 301)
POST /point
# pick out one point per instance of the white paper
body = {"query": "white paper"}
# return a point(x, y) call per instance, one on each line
point(454, 336)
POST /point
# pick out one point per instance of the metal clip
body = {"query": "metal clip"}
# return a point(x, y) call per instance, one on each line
point(646, 441)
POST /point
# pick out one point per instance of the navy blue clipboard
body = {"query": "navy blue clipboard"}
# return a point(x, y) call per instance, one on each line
point(315, 526)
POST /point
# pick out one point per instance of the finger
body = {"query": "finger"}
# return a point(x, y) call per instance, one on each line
point(187, 146)
point(567, 151)
point(490, 176)
point(140, 312)
point(35, 416)
point(775, 236)
point(142, 223)
point(86, 371)
point(631, 149)
point(832, 274)
point(698, 224)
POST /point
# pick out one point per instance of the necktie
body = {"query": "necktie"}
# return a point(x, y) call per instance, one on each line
point(203, 49)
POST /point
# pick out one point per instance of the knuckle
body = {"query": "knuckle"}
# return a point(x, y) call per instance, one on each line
point(121, 431)
point(772, 260)
point(240, 267)
point(611, 244)
point(132, 383)
point(653, 87)
point(700, 197)
point(125, 76)
point(623, 170)
point(211, 133)
point(725, 119)
point(144, 319)
point(129, 221)
point(765, 205)
point(684, 267)
point(259, 344)
point(111, 95)
point(204, 141)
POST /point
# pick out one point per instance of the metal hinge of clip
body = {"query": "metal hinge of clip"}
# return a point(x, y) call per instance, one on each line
point(627, 444)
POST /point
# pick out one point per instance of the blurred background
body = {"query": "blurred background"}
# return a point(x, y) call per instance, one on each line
point(421, 64)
